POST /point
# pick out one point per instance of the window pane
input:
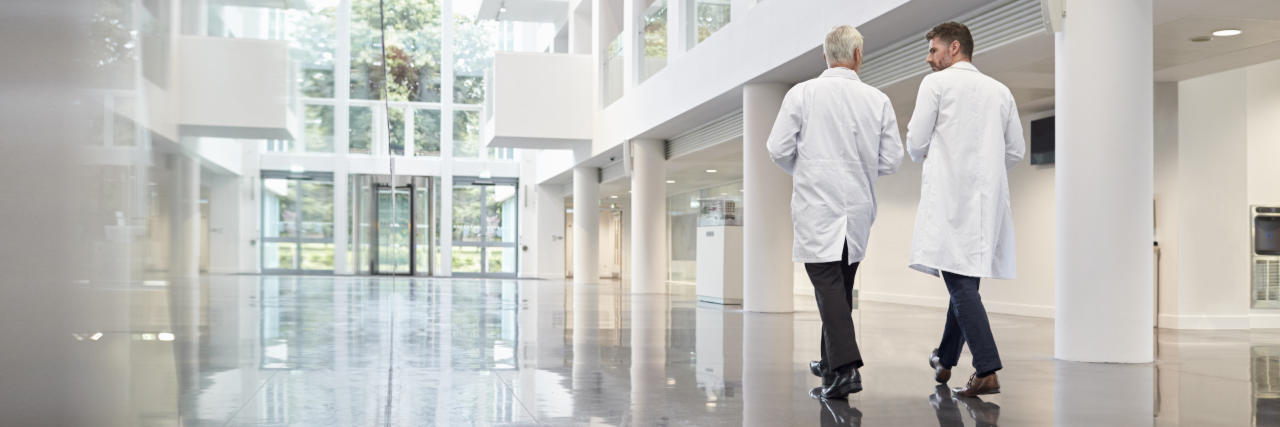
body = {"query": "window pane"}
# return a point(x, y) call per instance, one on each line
point(279, 256)
point(466, 259)
point(711, 15)
point(466, 214)
point(317, 210)
point(473, 46)
point(280, 208)
point(361, 132)
point(613, 71)
point(500, 221)
point(426, 132)
point(412, 35)
point(319, 129)
point(311, 34)
point(466, 134)
point(395, 129)
point(655, 39)
point(500, 260)
point(317, 256)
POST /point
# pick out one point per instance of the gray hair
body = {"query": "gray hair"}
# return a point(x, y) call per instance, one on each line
point(840, 44)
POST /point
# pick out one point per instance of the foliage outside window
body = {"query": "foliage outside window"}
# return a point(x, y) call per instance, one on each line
point(655, 39)
point(710, 16)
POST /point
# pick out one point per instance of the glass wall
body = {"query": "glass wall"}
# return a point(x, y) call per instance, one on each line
point(682, 227)
point(297, 222)
point(654, 37)
point(613, 64)
point(484, 227)
point(709, 16)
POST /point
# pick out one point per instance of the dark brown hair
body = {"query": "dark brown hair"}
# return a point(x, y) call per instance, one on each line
point(948, 32)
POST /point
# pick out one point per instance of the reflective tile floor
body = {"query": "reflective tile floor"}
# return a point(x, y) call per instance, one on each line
point(350, 351)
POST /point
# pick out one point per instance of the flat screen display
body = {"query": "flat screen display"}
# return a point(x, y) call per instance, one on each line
point(1042, 141)
point(1266, 235)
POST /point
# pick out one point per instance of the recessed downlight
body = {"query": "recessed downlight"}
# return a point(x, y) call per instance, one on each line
point(671, 181)
point(712, 171)
point(1227, 32)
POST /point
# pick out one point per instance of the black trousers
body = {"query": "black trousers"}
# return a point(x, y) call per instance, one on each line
point(833, 288)
point(967, 323)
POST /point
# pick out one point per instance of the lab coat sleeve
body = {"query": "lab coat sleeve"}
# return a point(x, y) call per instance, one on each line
point(890, 142)
point(786, 131)
point(1014, 145)
point(923, 119)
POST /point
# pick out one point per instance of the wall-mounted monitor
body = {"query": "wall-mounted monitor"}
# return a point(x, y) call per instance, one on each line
point(1042, 141)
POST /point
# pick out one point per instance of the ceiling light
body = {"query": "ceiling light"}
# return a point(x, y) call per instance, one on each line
point(297, 169)
point(1227, 32)
point(96, 336)
point(671, 181)
point(613, 196)
point(712, 171)
point(503, 10)
point(165, 336)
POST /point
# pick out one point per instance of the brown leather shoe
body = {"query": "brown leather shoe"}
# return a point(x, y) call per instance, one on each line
point(941, 374)
point(979, 386)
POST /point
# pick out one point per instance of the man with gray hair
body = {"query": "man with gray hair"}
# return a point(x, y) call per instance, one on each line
point(835, 135)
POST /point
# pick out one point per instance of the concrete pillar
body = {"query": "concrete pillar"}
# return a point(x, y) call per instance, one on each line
point(1104, 177)
point(649, 360)
point(768, 346)
point(648, 216)
point(184, 216)
point(766, 207)
point(586, 224)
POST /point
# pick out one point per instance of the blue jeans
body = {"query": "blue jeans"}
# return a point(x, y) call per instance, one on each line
point(967, 322)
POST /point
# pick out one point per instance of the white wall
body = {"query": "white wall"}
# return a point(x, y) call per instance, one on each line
point(233, 83)
point(1212, 229)
point(1167, 206)
point(884, 275)
point(1263, 133)
point(539, 100)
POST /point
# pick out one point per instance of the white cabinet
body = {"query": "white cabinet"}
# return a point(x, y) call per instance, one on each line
point(720, 264)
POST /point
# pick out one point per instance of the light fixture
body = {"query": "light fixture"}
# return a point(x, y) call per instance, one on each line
point(671, 181)
point(502, 10)
point(1227, 32)
point(96, 336)
point(165, 336)
point(712, 171)
point(297, 169)
point(613, 196)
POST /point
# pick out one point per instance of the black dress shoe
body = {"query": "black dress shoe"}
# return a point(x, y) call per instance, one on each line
point(819, 369)
point(941, 374)
point(847, 381)
point(839, 414)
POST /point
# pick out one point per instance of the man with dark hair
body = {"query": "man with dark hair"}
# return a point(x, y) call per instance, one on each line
point(966, 130)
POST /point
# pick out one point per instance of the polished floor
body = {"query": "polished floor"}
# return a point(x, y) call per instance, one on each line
point(349, 351)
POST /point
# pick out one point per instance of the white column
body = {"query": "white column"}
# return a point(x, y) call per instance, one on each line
point(648, 217)
point(766, 207)
point(184, 219)
point(649, 359)
point(768, 346)
point(341, 218)
point(1104, 176)
point(586, 224)
point(677, 28)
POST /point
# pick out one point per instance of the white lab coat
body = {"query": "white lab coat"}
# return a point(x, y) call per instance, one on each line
point(966, 130)
point(835, 135)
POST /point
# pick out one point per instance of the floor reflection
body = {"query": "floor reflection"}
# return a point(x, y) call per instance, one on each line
point(318, 351)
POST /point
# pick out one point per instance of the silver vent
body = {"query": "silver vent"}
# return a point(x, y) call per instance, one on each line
point(718, 131)
point(992, 26)
point(1266, 279)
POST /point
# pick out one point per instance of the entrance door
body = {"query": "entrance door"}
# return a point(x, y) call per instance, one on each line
point(484, 228)
point(393, 238)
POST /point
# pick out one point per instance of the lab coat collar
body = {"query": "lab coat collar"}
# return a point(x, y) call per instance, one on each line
point(841, 72)
point(964, 65)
